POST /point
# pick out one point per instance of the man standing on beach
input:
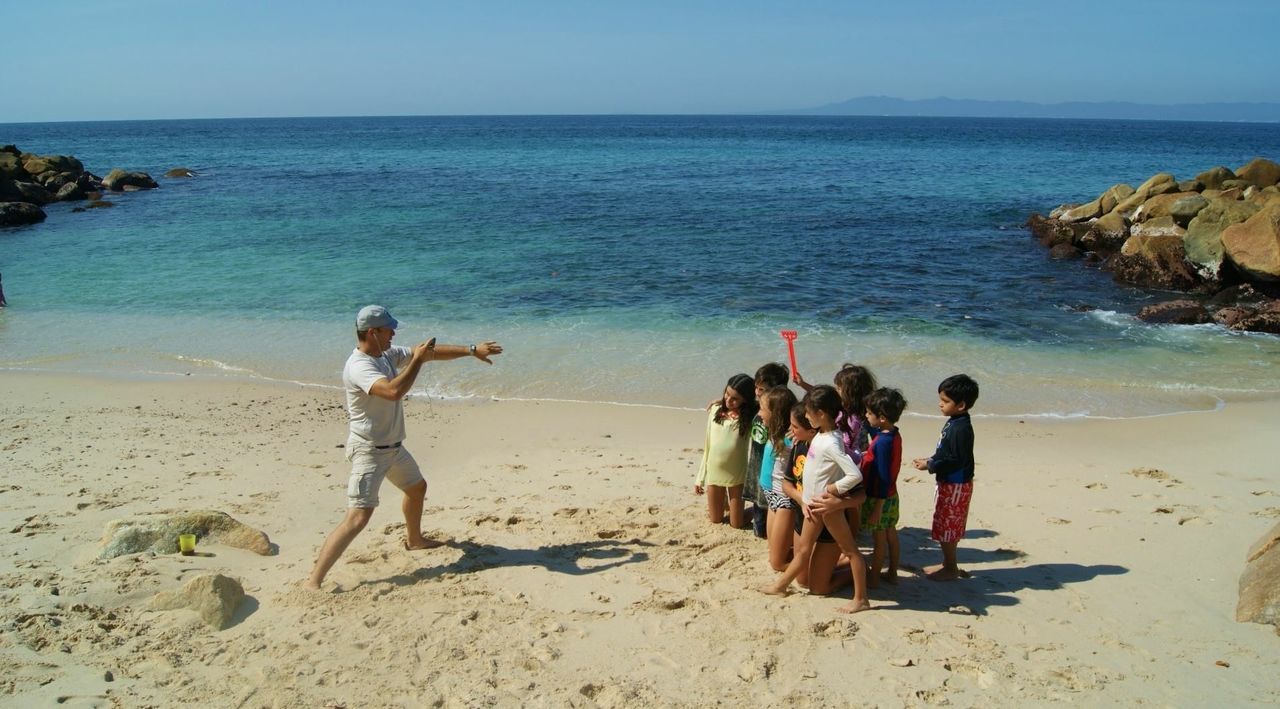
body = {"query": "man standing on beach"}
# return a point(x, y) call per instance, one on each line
point(376, 386)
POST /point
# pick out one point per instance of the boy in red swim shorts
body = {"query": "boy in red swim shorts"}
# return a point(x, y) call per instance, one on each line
point(952, 464)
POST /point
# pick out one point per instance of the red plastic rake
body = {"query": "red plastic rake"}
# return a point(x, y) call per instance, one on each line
point(790, 337)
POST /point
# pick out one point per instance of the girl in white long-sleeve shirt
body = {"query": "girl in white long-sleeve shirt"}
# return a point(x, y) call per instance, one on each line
point(828, 468)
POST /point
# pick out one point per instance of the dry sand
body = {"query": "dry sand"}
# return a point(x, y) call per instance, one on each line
point(1105, 557)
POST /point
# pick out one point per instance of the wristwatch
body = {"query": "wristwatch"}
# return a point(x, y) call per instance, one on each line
point(473, 350)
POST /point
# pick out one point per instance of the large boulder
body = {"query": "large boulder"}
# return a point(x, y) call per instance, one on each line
point(1154, 262)
point(1159, 226)
point(36, 164)
point(1203, 241)
point(117, 180)
point(1260, 172)
point(1251, 318)
point(1213, 177)
point(1109, 199)
point(1175, 312)
point(1157, 185)
point(11, 168)
point(1106, 234)
point(1186, 209)
point(1159, 205)
point(71, 191)
point(158, 533)
point(1259, 600)
point(20, 213)
point(1254, 245)
point(1088, 210)
point(214, 596)
point(33, 193)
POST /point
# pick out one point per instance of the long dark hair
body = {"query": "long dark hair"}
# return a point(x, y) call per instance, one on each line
point(781, 400)
point(746, 388)
point(854, 384)
point(823, 398)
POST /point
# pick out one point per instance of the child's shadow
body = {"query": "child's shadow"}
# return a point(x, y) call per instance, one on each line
point(986, 587)
point(575, 559)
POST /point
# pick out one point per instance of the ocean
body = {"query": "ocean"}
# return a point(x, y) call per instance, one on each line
point(631, 259)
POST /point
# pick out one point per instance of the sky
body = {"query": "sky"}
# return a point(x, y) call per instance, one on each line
point(72, 60)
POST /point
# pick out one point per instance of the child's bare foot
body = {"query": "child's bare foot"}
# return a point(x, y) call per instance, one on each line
point(773, 590)
point(854, 606)
point(423, 543)
point(944, 573)
point(890, 577)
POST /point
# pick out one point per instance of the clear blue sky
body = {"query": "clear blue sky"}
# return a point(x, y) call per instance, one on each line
point(106, 59)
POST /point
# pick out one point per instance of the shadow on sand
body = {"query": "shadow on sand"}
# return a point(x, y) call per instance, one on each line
point(987, 587)
point(575, 559)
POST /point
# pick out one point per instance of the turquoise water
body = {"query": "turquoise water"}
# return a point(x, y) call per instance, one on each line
point(631, 259)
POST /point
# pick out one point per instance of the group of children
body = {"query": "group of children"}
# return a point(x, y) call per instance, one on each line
point(819, 469)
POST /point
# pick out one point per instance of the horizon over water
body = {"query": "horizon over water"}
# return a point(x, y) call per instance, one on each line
point(631, 259)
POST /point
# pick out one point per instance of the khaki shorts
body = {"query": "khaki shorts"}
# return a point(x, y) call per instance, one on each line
point(369, 466)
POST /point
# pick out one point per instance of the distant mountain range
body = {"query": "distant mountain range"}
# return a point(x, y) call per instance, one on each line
point(942, 106)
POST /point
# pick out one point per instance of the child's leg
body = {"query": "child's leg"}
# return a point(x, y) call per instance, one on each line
point(879, 551)
point(802, 553)
point(838, 525)
point(827, 573)
point(737, 515)
point(891, 536)
point(950, 514)
point(780, 527)
point(802, 578)
point(715, 503)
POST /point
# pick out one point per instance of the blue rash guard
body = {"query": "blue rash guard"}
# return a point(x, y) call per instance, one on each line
point(953, 462)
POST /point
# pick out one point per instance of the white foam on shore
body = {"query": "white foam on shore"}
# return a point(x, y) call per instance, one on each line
point(1151, 371)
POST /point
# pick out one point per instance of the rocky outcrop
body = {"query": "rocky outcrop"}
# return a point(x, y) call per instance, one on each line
point(1260, 173)
point(1203, 240)
point(1157, 261)
point(119, 180)
point(1259, 599)
point(39, 180)
point(20, 213)
point(214, 596)
point(1176, 312)
point(159, 534)
point(180, 172)
point(1254, 245)
point(1201, 236)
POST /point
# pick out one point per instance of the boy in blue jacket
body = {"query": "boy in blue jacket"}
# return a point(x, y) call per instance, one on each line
point(952, 464)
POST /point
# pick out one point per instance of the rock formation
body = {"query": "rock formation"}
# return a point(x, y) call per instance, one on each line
point(1202, 236)
point(214, 596)
point(37, 180)
point(1259, 600)
point(159, 533)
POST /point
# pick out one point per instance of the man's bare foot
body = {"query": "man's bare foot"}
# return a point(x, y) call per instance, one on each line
point(890, 577)
point(423, 544)
point(854, 606)
point(943, 573)
point(309, 585)
point(773, 590)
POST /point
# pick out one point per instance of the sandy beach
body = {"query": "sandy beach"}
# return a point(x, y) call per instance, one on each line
point(580, 570)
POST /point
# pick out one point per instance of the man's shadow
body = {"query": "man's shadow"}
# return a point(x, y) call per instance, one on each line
point(575, 559)
point(986, 587)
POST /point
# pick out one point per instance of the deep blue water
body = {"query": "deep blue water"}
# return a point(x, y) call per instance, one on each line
point(866, 234)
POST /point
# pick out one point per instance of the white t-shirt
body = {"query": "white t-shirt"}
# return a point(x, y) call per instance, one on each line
point(374, 419)
point(827, 463)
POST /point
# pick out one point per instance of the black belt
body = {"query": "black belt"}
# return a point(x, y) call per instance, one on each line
point(393, 445)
